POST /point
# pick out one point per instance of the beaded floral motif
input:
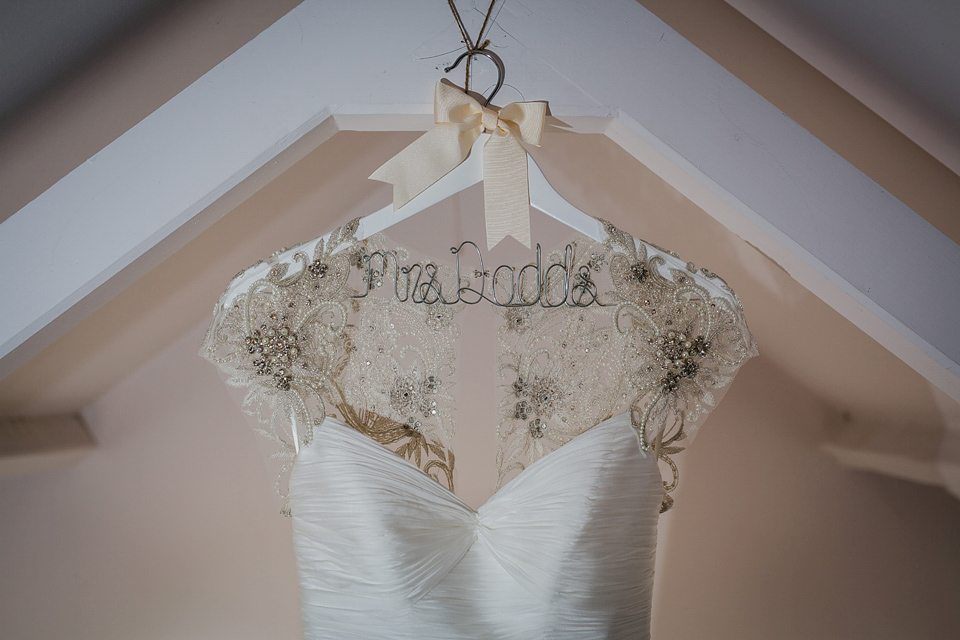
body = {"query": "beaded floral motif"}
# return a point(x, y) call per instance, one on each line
point(402, 366)
point(556, 383)
point(291, 339)
point(683, 342)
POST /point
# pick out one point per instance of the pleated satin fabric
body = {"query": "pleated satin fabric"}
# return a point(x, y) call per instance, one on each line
point(565, 551)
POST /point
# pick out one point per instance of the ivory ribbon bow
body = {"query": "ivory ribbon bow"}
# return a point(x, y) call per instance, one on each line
point(460, 120)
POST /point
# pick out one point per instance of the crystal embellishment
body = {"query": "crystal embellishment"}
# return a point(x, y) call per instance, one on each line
point(680, 358)
point(275, 351)
point(536, 428)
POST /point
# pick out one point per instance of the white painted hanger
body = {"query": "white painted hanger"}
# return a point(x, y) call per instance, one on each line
point(542, 196)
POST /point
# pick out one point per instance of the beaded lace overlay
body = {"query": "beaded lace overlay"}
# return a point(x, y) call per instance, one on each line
point(626, 327)
point(302, 345)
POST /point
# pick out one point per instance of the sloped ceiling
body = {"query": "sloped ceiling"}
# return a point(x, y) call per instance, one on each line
point(898, 57)
point(43, 41)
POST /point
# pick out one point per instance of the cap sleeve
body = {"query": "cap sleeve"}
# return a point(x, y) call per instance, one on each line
point(278, 332)
point(687, 338)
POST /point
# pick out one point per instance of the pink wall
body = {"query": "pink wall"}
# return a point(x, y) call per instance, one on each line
point(169, 530)
point(771, 538)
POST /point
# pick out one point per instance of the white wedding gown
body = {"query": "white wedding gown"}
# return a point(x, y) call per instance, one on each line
point(594, 398)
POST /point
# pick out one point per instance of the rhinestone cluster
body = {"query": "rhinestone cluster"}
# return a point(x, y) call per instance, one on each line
point(638, 271)
point(318, 269)
point(414, 398)
point(439, 315)
point(597, 261)
point(537, 396)
point(536, 428)
point(522, 410)
point(679, 357)
point(274, 349)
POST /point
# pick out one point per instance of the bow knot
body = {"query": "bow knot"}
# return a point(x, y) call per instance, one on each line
point(460, 120)
point(490, 118)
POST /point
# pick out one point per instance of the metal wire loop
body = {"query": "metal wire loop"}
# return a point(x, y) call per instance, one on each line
point(501, 71)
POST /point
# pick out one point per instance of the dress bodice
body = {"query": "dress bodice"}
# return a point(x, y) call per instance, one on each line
point(565, 550)
point(608, 355)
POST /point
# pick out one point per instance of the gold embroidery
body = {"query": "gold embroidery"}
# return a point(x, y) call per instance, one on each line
point(429, 454)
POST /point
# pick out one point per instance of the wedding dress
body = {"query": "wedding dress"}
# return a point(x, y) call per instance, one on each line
point(349, 360)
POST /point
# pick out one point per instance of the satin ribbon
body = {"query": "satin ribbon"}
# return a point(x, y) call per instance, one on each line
point(460, 120)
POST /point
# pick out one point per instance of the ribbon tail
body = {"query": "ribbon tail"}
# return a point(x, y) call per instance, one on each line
point(506, 194)
point(427, 159)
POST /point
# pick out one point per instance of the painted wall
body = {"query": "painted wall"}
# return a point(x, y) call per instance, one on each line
point(170, 529)
point(771, 538)
point(167, 531)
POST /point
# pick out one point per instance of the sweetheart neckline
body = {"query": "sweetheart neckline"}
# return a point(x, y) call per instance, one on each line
point(351, 432)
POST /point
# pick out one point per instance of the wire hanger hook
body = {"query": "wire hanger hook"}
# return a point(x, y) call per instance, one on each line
point(501, 71)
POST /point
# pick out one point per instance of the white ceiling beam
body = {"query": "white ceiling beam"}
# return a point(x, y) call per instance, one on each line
point(838, 232)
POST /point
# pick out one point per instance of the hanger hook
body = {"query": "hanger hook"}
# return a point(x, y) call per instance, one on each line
point(501, 72)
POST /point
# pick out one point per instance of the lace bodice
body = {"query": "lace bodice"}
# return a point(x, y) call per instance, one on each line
point(354, 329)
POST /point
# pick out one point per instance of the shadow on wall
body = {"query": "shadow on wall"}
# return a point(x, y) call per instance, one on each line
point(772, 538)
